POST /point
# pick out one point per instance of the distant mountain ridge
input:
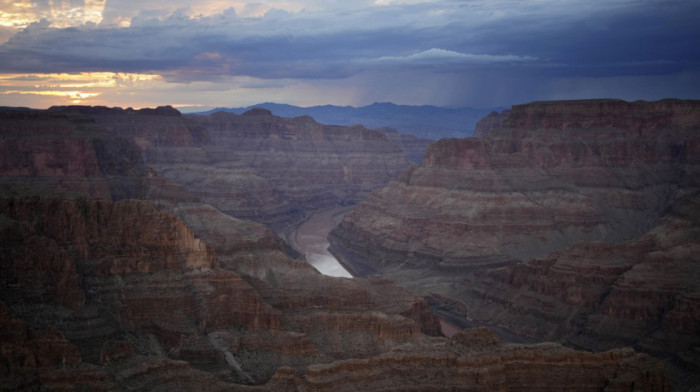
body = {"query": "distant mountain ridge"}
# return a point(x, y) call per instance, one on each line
point(423, 121)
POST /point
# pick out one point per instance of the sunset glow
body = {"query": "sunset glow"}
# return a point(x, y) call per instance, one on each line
point(61, 13)
point(314, 52)
point(72, 88)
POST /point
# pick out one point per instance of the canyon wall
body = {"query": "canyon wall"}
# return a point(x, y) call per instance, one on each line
point(258, 166)
point(129, 296)
point(296, 165)
point(573, 221)
point(102, 291)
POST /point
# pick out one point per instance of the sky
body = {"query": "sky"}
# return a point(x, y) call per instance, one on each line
point(195, 55)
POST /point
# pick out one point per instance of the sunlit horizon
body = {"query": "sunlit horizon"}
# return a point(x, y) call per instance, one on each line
point(219, 53)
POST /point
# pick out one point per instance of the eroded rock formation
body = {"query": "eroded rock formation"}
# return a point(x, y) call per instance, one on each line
point(255, 165)
point(130, 299)
point(290, 165)
point(102, 293)
point(571, 221)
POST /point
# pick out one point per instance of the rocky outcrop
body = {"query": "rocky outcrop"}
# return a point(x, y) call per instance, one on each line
point(66, 152)
point(460, 365)
point(255, 165)
point(524, 192)
point(159, 127)
point(493, 121)
point(273, 169)
point(115, 281)
point(49, 152)
point(571, 221)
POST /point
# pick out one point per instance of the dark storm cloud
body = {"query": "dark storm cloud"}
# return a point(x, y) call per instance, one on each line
point(639, 37)
point(473, 42)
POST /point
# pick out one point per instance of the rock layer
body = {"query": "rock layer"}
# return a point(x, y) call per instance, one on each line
point(572, 221)
point(114, 281)
point(298, 164)
point(257, 166)
point(122, 295)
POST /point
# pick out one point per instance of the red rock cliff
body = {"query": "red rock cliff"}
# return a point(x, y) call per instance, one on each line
point(103, 295)
point(567, 220)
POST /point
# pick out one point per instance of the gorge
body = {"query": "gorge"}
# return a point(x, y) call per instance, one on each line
point(147, 250)
point(566, 221)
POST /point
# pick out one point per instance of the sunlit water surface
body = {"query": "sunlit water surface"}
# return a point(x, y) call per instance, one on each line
point(311, 239)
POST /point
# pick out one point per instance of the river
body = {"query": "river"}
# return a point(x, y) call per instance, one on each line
point(311, 238)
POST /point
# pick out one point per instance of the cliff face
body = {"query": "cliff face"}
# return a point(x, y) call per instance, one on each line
point(129, 298)
point(123, 295)
point(111, 283)
point(51, 151)
point(255, 166)
point(468, 363)
point(523, 192)
point(273, 169)
point(555, 225)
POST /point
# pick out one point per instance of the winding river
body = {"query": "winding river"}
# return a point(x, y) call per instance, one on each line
point(311, 239)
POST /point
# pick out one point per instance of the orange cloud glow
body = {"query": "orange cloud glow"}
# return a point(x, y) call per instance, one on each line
point(61, 13)
point(72, 88)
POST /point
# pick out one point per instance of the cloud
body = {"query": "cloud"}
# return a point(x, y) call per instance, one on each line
point(440, 56)
point(280, 45)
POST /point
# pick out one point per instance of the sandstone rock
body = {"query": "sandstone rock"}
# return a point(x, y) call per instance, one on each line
point(476, 337)
point(142, 300)
point(162, 126)
point(492, 121)
point(254, 166)
point(297, 164)
point(571, 221)
point(439, 366)
point(115, 350)
point(524, 192)
point(133, 281)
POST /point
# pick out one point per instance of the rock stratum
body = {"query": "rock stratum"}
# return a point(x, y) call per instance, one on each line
point(255, 165)
point(572, 221)
point(114, 277)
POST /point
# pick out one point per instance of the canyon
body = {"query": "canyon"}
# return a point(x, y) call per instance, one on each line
point(570, 221)
point(147, 250)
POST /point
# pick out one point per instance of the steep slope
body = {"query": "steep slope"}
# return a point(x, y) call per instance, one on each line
point(68, 153)
point(308, 165)
point(130, 299)
point(104, 295)
point(116, 280)
point(554, 225)
point(255, 166)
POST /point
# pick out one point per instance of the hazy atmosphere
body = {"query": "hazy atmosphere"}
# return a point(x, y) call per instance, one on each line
point(476, 53)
